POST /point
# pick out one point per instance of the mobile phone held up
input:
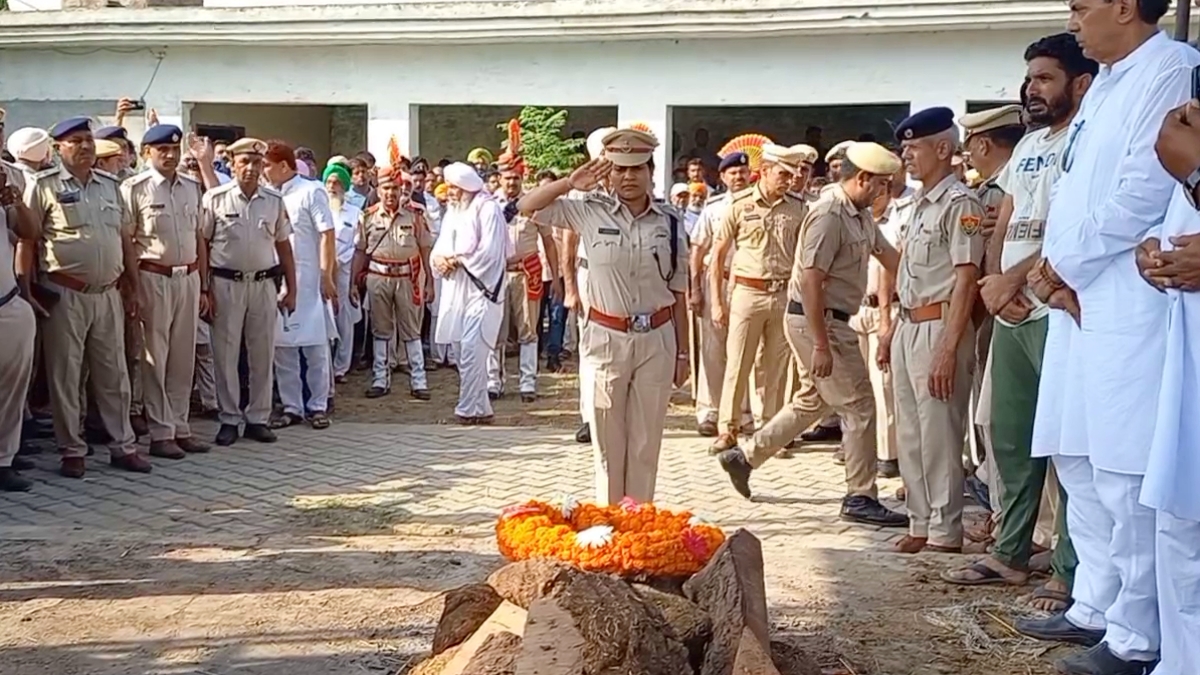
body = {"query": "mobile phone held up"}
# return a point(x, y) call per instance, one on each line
point(141, 105)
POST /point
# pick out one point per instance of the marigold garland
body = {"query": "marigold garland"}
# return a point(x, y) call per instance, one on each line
point(628, 539)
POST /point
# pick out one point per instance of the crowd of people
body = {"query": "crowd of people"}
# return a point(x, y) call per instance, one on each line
point(990, 307)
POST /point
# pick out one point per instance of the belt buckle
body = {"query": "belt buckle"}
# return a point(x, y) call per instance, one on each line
point(178, 271)
point(776, 285)
point(239, 276)
point(639, 323)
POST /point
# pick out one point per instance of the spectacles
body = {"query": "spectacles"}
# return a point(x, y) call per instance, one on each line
point(1068, 158)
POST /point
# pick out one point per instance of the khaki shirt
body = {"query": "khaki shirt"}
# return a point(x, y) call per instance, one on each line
point(391, 238)
point(83, 224)
point(629, 257)
point(243, 231)
point(765, 234)
point(165, 216)
point(839, 239)
point(942, 234)
point(8, 279)
point(526, 233)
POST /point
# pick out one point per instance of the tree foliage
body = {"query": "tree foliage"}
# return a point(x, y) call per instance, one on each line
point(542, 143)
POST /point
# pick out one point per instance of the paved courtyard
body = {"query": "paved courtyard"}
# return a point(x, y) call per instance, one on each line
point(325, 552)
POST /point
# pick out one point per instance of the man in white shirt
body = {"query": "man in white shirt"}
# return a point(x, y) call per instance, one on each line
point(1099, 387)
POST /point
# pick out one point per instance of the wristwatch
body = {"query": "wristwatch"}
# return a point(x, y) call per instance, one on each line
point(1191, 184)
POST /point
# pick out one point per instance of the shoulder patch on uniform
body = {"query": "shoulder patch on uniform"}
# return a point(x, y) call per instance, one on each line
point(370, 210)
point(743, 193)
point(187, 177)
point(970, 224)
point(105, 174)
point(599, 198)
point(713, 199)
point(139, 178)
point(45, 173)
point(222, 188)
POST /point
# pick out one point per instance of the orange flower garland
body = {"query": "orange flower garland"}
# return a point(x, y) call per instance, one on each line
point(628, 539)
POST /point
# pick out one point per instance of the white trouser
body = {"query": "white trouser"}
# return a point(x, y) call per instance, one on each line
point(345, 319)
point(1115, 587)
point(287, 376)
point(528, 363)
point(472, 378)
point(1177, 551)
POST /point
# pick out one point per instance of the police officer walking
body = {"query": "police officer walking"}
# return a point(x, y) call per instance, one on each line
point(244, 253)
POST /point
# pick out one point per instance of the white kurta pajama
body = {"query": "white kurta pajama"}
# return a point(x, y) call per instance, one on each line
point(477, 235)
point(1099, 389)
point(348, 315)
point(1172, 484)
point(306, 330)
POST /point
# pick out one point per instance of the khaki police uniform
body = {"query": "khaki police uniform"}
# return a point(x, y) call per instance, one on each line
point(166, 215)
point(392, 244)
point(765, 235)
point(838, 238)
point(628, 337)
point(19, 328)
point(522, 305)
point(82, 256)
point(242, 233)
point(943, 234)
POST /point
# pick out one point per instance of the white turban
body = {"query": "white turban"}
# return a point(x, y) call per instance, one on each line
point(595, 141)
point(463, 176)
point(29, 144)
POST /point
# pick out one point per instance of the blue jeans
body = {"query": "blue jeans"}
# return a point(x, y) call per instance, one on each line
point(552, 325)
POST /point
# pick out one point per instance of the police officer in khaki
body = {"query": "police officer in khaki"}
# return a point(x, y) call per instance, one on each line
point(392, 248)
point(244, 252)
point(522, 306)
point(86, 248)
point(164, 207)
point(932, 346)
point(828, 282)
point(763, 222)
point(17, 325)
point(635, 334)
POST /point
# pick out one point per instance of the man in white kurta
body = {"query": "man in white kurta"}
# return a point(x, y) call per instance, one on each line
point(470, 257)
point(305, 331)
point(1099, 387)
point(346, 217)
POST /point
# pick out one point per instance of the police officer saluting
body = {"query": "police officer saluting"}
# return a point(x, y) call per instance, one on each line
point(828, 282)
point(635, 334)
point(86, 248)
point(164, 208)
point(244, 252)
point(932, 350)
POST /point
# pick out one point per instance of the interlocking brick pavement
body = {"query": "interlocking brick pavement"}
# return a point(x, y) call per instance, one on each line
point(421, 479)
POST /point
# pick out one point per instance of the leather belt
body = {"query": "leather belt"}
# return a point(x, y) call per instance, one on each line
point(167, 270)
point(922, 314)
point(798, 309)
point(71, 283)
point(872, 300)
point(7, 297)
point(389, 268)
point(639, 323)
point(765, 285)
point(519, 264)
point(238, 275)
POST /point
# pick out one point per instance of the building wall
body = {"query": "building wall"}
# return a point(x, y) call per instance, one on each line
point(453, 131)
point(300, 124)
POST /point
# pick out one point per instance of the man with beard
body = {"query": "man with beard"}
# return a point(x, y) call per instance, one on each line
point(1059, 75)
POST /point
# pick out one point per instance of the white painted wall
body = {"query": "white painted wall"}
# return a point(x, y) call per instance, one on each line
point(35, 5)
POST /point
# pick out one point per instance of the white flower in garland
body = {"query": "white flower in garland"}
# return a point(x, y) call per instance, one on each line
point(568, 504)
point(597, 536)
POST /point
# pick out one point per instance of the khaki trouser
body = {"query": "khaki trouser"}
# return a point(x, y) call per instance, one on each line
point(755, 321)
point(169, 309)
point(19, 329)
point(631, 386)
point(930, 432)
point(521, 315)
point(711, 368)
point(135, 339)
point(866, 324)
point(88, 328)
point(847, 391)
point(249, 309)
point(393, 312)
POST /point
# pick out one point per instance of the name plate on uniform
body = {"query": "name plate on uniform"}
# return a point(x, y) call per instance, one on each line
point(610, 230)
point(67, 197)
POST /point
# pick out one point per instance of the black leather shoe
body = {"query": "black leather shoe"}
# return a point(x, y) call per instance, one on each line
point(1057, 629)
point(584, 433)
point(420, 394)
point(553, 364)
point(707, 429)
point(378, 392)
point(734, 462)
point(1099, 660)
point(888, 468)
point(821, 434)
point(527, 397)
point(227, 435)
point(11, 481)
point(868, 511)
point(494, 395)
point(23, 463)
point(260, 433)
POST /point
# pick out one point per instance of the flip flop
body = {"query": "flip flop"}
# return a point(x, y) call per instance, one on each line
point(987, 576)
point(319, 421)
point(1043, 593)
point(285, 420)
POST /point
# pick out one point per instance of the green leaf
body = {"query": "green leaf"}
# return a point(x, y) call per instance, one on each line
point(542, 142)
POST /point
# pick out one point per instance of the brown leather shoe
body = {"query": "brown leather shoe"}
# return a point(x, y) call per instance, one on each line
point(132, 462)
point(166, 450)
point(725, 441)
point(138, 423)
point(192, 446)
point(72, 467)
point(910, 544)
point(707, 428)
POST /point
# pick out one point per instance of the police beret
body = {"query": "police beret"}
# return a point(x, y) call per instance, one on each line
point(734, 159)
point(106, 148)
point(162, 134)
point(925, 123)
point(111, 132)
point(873, 158)
point(69, 126)
point(994, 118)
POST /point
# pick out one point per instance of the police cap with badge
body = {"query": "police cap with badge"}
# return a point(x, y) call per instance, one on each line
point(69, 126)
point(925, 123)
point(162, 134)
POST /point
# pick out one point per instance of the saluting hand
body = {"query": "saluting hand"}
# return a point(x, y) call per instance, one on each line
point(587, 177)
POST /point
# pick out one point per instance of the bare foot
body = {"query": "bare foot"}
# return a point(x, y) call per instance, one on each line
point(1052, 596)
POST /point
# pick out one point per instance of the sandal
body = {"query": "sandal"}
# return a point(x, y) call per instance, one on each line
point(985, 576)
point(1062, 599)
point(319, 421)
point(285, 420)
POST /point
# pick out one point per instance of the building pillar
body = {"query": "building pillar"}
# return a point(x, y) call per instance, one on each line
point(658, 118)
point(388, 120)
